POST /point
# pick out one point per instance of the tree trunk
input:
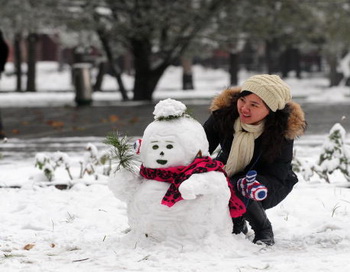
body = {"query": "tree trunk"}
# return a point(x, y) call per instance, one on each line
point(18, 61)
point(101, 72)
point(271, 55)
point(145, 83)
point(146, 79)
point(60, 58)
point(234, 68)
point(187, 76)
point(31, 73)
point(334, 76)
point(268, 56)
point(290, 61)
point(284, 63)
point(142, 88)
point(115, 70)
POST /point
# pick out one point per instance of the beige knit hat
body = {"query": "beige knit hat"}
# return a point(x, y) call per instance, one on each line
point(270, 88)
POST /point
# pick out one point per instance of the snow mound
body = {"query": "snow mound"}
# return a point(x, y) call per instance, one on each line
point(169, 109)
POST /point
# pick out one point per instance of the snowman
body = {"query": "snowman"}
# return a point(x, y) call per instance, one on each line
point(177, 192)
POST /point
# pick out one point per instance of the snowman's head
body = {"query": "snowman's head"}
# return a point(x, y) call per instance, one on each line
point(173, 139)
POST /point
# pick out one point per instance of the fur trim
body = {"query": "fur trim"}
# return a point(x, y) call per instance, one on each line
point(296, 120)
point(224, 99)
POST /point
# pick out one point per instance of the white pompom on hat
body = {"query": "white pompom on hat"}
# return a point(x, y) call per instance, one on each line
point(270, 88)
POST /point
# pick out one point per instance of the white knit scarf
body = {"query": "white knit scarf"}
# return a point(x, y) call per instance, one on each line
point(242, 147)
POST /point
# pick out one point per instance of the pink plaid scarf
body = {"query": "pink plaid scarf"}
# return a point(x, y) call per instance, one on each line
point(176, 175)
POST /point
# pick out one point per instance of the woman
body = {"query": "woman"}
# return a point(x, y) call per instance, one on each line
point(255, 126)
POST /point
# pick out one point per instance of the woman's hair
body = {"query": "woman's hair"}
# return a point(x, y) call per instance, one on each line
point(276, 124)
point(227, 115)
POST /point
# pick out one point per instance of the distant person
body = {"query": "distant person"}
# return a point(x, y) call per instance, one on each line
point(4, 53)
point(255, 126)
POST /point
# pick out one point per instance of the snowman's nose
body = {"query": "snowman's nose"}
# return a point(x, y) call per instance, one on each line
point(161, 153)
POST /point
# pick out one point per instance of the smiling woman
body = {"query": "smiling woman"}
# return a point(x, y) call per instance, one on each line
point(255, 127)
point(251, 108)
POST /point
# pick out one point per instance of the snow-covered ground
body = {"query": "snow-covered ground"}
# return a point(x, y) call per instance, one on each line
point(85, 228)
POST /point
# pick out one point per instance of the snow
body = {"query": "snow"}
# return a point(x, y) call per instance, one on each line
point(169, 108)
point(86, 228)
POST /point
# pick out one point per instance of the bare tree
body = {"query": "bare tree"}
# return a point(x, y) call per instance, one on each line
point(26, 19)
point(158, 33)
point(331, 30)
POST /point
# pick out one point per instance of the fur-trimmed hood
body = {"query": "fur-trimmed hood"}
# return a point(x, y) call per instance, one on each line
point(296, 120)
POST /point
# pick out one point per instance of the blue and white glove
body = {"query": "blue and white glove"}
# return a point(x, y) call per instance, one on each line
point(251, 188)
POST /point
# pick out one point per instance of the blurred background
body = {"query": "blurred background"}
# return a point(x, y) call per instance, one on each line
point(142, 38)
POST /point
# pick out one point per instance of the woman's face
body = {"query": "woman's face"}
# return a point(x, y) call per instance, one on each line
point(251, 109)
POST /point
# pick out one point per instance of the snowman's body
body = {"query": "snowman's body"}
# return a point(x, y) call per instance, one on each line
point(204, 208)
point(188, 218)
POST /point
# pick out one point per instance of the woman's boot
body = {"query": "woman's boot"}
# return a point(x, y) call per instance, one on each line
point(239, 225)
point(257, 218)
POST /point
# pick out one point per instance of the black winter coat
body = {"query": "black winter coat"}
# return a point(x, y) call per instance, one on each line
point(276, 173)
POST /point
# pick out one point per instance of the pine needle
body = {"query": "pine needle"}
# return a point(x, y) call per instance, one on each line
point(121, 151)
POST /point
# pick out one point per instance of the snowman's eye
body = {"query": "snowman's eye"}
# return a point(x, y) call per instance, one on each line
point(169, 146)
point(155, 147)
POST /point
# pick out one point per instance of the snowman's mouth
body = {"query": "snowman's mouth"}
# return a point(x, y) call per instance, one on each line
point(162, 162)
